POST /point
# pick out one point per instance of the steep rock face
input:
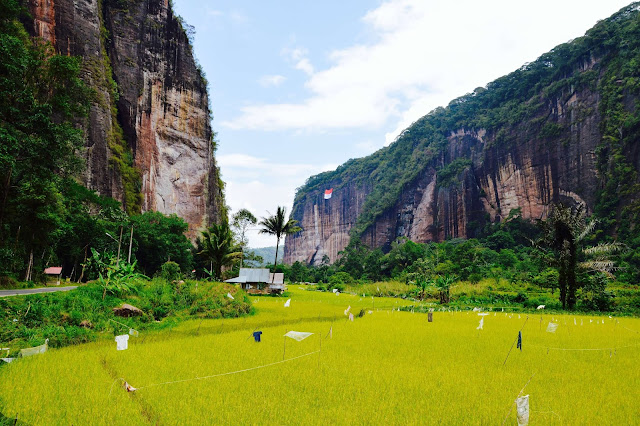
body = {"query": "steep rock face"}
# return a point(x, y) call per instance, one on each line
point(164, 113)
point(326, 224)
point(161, 103)
point(74, 29)
point(470, 175)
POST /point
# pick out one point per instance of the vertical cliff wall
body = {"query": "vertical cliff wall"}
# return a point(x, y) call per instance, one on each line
point(564, 128)
point(148, 136)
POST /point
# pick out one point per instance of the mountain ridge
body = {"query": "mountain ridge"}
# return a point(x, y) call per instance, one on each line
point(559, 129)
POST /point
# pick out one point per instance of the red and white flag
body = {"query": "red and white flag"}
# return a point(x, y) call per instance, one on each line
point(328, 193)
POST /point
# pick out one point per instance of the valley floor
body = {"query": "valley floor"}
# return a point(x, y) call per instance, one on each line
point(386, 367)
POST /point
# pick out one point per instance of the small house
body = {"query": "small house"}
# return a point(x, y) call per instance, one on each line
point(54, 272)
point(259, 281)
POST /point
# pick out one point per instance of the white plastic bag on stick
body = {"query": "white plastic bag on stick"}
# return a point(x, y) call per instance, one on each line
point(346, 311)
point(552, 327)
point(287, 303)
point(522, 410)
point(479, 327)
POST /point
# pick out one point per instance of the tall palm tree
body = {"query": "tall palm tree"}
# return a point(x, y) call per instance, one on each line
point(277, 225)
point(217, 247)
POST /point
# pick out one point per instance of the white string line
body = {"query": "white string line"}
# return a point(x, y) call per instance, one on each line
point(228, 373)
point(628, 328)
point(584, 349)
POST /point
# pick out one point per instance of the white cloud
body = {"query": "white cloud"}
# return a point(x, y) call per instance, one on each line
point(271, 80)
point(421, 55)
point(254, 182)
point(305, 65)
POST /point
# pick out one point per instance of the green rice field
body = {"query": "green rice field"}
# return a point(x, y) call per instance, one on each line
point(387, 367)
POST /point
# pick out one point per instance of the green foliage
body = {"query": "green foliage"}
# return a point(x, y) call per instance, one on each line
point(116, 277)
point(80, 316)
point(340, 278)
point(42, 96)
point(161, 238)
point(215, 246)
point(170, 271)
point(448, 175)
point(279, 226)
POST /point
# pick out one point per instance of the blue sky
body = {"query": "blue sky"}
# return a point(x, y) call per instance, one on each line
point(299, 87)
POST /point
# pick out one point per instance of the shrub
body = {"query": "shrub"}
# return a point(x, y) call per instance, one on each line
point(170, 271)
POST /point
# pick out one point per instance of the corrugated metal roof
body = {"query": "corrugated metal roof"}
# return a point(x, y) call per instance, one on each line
point(279, 278)
point(255, 275)
point(237, 280)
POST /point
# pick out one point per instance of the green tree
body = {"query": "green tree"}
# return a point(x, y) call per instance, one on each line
point(42, 97)
point(564, 234)
point(278, 225)
point(217, 248)
point(242, 220)
point(158, 238)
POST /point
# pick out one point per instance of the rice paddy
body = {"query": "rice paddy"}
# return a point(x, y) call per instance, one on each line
point(386, 367)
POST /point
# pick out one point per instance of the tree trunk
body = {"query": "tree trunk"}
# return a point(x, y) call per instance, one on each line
point(29, 266)
point(83, 263)
point(275, 264)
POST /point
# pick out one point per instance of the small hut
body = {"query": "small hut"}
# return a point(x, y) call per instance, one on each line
point(259, 281)
point(54, 272)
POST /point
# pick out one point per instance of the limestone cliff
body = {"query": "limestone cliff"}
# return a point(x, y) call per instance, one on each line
point(148, 137)
point(560, 129)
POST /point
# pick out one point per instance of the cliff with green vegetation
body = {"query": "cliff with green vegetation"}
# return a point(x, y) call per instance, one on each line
point(561, 129)
point(147, 137)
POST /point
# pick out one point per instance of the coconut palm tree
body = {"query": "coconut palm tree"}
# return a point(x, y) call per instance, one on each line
point(217, 247)
point(277, 225)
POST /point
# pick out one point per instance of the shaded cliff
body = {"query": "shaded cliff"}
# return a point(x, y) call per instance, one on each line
point(148, 138)
point(563, 128)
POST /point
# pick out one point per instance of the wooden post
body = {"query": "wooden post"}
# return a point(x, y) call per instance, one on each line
point(130, 244)
point(284, 349)
point(430, 316)
point(119, 245)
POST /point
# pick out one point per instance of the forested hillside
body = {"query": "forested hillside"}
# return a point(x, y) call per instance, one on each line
point(56, 141)
point(563, 128)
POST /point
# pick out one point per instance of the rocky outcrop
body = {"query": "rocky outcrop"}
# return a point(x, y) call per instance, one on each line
point(473, 175)
point(150, 108)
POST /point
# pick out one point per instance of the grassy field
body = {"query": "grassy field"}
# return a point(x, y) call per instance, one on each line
point(386, 367)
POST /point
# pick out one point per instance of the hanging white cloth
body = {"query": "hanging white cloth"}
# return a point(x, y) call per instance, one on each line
point(479, 327)
point(230, 296)
point(35, 350)
point(287, 303)
point(552, 327)
point(522, 410)
point(346, 311)
point(122, 342)
point(133, 332)
point(298, 335)
point(350, 317)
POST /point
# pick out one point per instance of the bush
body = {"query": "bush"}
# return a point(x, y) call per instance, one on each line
point(340, 278)
point(170, 271)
